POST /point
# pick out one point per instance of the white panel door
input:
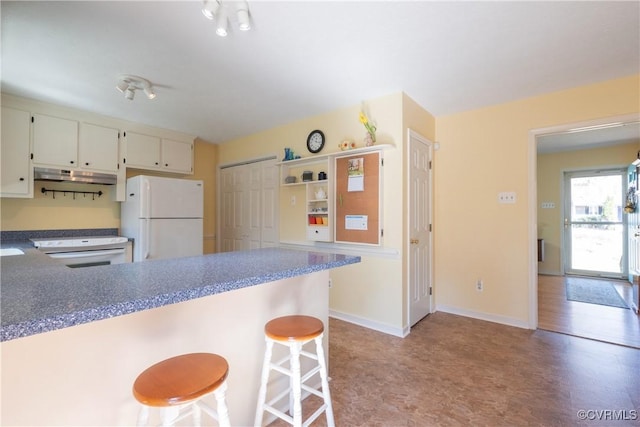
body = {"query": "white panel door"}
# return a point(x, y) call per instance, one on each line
point(270, 220)
point(420, 244)
point(248, 206)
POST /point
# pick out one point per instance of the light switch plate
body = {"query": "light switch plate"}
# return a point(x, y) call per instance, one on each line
point(548, 205)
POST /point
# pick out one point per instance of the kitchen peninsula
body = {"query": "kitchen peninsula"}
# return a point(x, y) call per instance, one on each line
point(75, 339)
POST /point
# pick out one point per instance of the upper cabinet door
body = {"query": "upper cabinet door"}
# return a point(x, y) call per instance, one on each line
point(16, 179)
point(143, 151)
point(55, 141)
point(98, 149)
point(177, 156)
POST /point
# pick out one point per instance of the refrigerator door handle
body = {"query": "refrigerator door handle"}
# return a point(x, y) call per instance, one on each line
point(148, 238)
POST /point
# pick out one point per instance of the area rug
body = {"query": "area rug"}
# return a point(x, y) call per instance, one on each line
point(594, 292)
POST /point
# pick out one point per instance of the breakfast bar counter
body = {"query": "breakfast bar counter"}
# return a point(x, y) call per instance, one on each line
point(39, 294)
point(73, 340)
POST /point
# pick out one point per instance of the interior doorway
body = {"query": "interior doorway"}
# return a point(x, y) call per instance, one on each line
point(548, 292)
point(594, 230)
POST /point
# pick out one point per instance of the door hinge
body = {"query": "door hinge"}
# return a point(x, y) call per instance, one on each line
point(382, 161)
point(381, 232)
point(429, 164)
point(32, 119)
point(430, 228)
point(430, 290)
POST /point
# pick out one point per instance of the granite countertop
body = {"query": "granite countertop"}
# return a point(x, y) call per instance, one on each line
point(40, 294)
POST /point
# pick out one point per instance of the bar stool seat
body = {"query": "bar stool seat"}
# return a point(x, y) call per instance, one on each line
point(180, 383)
point(294, 332)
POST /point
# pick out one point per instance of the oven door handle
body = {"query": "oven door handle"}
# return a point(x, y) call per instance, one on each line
point(85, 254)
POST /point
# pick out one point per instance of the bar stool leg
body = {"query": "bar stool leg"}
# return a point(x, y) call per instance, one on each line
point(296, 391)
point(262, 394)
point(325, 381)
point(143, 416)
point(223, 411)
point(169, 414)
point(196, 414)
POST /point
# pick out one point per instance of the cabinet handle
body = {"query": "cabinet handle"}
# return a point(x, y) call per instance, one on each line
point(166, 164)
point(86, 164)
point(72, 162)
point(21, 179)
point(157, 163)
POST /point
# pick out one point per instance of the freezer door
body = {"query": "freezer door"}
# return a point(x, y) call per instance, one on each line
point(168, 238)
point(170, 197)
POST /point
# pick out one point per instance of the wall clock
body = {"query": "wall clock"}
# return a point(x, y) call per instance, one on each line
point(315, 141)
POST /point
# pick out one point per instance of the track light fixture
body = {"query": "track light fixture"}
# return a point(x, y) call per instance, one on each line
point(221, 11)
point(128, 85)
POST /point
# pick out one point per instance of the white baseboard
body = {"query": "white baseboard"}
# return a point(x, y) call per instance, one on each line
point(495, 318)
point(370, 324)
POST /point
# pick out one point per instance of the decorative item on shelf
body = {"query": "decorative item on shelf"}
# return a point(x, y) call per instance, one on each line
point(346, 145)
point(322, 176)
point(370, 137)
point(320, 194)
point(307, 176)
point(290, 179)
point(288, 154)
point(630, 205)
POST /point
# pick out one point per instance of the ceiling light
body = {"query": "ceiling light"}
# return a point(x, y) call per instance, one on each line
point(243, 16)
point(128, 85)
point(210, 8)
point(222, 23)
point(122, 85)
point(149, 92)
point(220, 11)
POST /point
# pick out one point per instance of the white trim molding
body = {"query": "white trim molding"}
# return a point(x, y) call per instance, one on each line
point(369, 324)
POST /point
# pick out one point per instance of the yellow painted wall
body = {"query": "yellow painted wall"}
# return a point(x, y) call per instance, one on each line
point(484, 152)
point(551, 168)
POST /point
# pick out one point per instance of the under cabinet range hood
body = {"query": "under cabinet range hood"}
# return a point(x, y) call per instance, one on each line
point(82, 177)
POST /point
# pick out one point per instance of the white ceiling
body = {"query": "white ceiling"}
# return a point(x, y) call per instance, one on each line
point(306, 58)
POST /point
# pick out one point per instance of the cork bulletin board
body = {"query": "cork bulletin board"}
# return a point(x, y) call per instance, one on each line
point(357, 203)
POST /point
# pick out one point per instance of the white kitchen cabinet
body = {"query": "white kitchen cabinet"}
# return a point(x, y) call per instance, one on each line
point(142, 151)
point(16, 179)
point(98, 148)
point(54, 141)
point(177, 156)
point(155, 153)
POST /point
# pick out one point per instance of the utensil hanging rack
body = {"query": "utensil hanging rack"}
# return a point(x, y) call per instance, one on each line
point(74, 192)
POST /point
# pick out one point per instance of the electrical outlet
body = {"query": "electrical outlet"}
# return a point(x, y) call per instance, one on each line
point(293, 200)
point(330, 282)
point(479, 285)
point(507, 197)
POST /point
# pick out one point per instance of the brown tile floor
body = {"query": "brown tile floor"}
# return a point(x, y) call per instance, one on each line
point(599, 322)
point(457, 371)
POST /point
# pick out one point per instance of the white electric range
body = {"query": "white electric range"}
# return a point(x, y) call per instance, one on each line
point(78, 252)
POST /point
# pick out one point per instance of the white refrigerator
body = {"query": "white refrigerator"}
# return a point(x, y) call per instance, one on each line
point(163, 216)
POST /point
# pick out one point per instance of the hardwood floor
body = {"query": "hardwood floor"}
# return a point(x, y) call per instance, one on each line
point(457, 371)
point(598, 322)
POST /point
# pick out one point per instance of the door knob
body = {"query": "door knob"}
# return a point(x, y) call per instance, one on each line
point(414, 241)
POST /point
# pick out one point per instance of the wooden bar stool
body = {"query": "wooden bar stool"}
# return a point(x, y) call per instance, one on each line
point(180, 383)
point(294, 332)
